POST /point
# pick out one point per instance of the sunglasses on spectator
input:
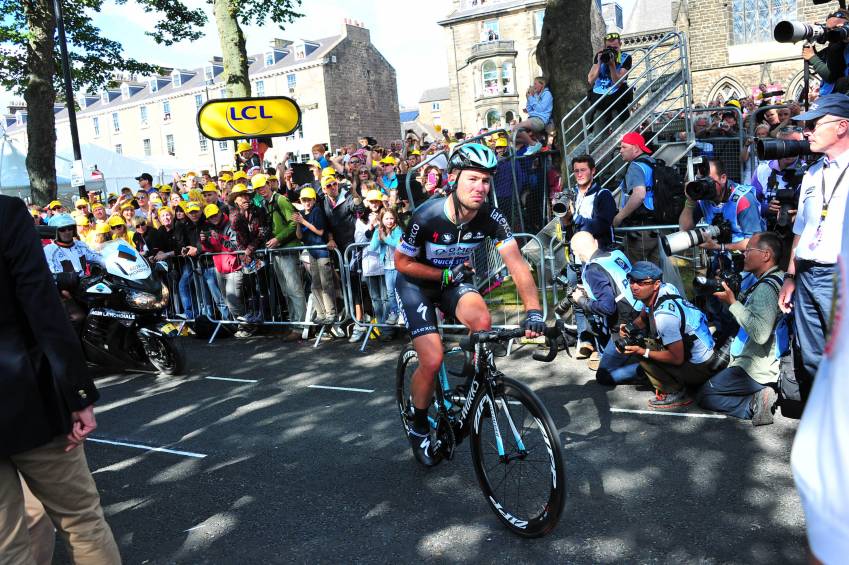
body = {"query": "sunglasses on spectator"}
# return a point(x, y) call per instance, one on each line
point(118, 227)
point(82, 207)
point(642, 283)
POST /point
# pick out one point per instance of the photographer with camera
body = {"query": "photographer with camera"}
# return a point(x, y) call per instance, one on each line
point(828, 63)
point(609, 65)
point(604, 296)
point(818, 229)
point(686, 358)
point(746, 388)
point(777, 184)
point(590, 208)
point(713, 196)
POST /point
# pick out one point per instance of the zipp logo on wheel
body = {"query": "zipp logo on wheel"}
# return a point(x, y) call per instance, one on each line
point(422, 309)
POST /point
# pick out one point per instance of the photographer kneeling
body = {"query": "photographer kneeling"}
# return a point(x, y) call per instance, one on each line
point(710, 196)
point(604, 295)
point(687, 357)
point(746, 388)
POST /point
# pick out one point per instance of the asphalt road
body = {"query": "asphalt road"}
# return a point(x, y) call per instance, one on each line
point(291, 473)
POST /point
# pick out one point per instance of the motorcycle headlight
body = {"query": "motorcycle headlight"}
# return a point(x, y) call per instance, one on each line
point(147, 300)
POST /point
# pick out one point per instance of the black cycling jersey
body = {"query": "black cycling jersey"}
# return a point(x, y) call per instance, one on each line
point(435, 240)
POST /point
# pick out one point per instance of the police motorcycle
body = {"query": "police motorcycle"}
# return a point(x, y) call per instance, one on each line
point(125, 301)
point(125, 323)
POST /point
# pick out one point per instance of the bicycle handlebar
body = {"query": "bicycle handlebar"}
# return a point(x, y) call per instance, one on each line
point(551, 334)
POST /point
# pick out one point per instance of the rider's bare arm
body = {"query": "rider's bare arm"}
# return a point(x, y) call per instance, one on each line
point(409, 267)
point(521, 274)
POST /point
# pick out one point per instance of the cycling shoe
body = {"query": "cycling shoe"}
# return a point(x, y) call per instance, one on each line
point(425, 450)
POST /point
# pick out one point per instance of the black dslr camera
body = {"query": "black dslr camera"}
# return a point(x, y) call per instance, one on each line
point(567, 302)
point(607, 55)
point(729, 273)
point(633, 336)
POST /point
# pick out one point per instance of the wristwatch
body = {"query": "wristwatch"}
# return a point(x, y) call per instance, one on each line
point(646, 353)
point(790, 276)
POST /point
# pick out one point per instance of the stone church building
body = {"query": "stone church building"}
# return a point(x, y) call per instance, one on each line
point(731, 46)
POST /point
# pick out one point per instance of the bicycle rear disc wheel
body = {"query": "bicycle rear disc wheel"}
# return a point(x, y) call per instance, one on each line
point(525, 485)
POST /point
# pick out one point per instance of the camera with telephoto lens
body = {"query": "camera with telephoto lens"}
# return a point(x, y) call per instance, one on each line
point(768, 149)
point(791, 32)
point(566, 303)
point(787, 200)
point(702, 187)
point(633, 336)
point(719, 231)
point(607, 55)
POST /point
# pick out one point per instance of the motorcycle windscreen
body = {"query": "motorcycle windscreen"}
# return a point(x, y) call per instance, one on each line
point(123, 261)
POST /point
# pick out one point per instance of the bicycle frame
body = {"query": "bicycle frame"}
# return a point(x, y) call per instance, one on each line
point(484, 380)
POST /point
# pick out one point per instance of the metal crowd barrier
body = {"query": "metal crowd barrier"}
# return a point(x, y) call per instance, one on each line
point(487, 263)
point(258, 298)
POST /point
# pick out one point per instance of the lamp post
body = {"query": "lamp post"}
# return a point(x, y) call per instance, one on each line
point(77, 175)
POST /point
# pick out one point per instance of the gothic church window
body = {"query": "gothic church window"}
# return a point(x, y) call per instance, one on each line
point(752, 21)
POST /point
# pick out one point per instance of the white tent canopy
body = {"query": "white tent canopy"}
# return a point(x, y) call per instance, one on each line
point(117, 170)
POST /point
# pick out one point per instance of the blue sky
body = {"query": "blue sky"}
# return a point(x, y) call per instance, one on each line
point(406, 32)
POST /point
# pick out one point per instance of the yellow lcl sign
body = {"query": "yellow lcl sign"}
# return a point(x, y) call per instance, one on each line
point(240, 118)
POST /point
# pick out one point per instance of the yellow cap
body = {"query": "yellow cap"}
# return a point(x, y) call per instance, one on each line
point(165, 189)
point(501, 142)
point(307, 192)
point(192, 207)
point(259, 180)
point(313, 163)
point(210, 210)
point(210, 187)
point(164, 209)
point(225, 177)
point(97, 205)
point(327, 180)
point(35, 213)
point(388, 160)
point(126, 205)
point(155, 200)
point(54, 204)
point(373, 195)
point(116, 221)
point(237, 190)
point(272, 177)
point(328, 172)
point(195, 195)
point(240, 175)
point(82, 220)
point(415, 152)
point(101, 227)
point(243, 146)
point(81, 202)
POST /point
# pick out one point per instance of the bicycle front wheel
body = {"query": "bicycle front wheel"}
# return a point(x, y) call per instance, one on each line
point(517, 459)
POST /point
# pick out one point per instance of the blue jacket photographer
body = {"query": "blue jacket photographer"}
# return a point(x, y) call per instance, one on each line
point(746, 388)
point(592, 207)
point(611, 101)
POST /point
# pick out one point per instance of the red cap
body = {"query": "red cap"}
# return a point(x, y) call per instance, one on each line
point(635, 138)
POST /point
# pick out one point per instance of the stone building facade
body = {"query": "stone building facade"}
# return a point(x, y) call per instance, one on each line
point(344, 86)
point(731, 48)
point(491, 60)
point(437, 110)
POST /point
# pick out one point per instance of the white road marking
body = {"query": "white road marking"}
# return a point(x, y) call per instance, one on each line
point(231, 379)
point(660, 413)
point(148, 448)
point(366, 390)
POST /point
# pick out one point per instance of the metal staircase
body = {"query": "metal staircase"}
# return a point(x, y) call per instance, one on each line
point(660, 82)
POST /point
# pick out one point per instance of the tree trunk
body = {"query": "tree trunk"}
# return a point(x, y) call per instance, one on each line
point(40, 96)
point(232, 41)
point(566, 57)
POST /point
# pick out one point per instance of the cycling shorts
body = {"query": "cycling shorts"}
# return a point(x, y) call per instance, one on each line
point(419, 303)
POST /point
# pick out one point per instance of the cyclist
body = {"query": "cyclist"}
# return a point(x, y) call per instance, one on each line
point(432, 264)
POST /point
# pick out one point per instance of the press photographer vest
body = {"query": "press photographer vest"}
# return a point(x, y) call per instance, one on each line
point(728, 210)
point(617, 267)
point(604, 81)
point(648, 172)
point(781, 345)
point(688, 316)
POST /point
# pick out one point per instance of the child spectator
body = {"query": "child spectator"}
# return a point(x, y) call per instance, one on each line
point(384, 240)
point(372, 267)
